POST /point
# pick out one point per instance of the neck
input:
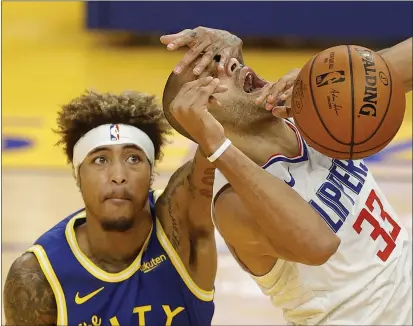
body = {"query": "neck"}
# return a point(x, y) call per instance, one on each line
point(118, 249)
point(269, 137)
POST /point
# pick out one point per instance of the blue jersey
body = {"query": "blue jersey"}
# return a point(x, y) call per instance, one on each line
point(154, 290)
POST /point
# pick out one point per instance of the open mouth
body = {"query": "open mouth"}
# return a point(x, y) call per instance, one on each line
point(250, 81)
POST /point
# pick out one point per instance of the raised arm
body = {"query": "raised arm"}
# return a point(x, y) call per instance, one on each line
point(209, 42)
point(286, 221)
point(276, 96)
point(185, 212)
point(199, 182)
point(295, 231)
point(400, 57)
point(28, 297)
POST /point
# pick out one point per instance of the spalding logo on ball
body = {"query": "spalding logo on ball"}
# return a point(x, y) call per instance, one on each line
point(348, 102)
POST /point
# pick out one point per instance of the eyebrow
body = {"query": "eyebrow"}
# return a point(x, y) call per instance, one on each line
point(106, 148)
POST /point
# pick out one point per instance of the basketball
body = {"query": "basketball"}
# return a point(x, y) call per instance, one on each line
point(348, 102)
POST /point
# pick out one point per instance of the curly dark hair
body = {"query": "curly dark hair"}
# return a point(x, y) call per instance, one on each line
point(93, 109)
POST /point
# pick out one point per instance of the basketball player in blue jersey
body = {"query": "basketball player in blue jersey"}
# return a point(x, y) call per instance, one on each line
point(316, 234)
point(127, 258)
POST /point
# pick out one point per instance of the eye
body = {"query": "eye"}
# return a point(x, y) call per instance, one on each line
point(100, 160)
point(133, 159)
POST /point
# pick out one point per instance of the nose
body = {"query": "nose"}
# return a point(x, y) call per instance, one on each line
point(232, 66)
point(118, 174)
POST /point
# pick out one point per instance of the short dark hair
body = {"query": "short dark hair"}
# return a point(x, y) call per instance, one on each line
point(93, 109)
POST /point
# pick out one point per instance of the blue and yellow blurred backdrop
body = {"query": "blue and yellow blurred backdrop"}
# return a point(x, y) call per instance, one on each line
point(49, 57)
point(53, 51)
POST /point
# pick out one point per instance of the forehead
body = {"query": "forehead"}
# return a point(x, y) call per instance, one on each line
point(115, 148)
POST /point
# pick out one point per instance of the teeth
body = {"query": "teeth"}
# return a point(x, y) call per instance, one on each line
point(249, 81)
point(249, 77)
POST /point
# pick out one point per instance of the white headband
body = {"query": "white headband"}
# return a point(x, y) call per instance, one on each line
point(111, 134)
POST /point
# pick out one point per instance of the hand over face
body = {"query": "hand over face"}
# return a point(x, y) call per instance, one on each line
point(211, 42)
point(189, 108)
point(277, 96)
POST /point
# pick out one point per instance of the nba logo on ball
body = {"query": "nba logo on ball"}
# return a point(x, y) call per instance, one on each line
point(330, 78)
point(114, 132)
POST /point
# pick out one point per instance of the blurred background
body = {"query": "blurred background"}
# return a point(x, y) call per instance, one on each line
point(53, 51)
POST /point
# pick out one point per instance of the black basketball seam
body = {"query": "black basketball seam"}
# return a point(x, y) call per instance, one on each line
point(383, 143)
point(388, 140)
point(315, 106)
point(308, 137)
point(352, 101)
point(387, 108)
point(332, 150)
point(352, 143)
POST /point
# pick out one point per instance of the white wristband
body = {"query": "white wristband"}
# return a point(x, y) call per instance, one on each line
point(219, 151)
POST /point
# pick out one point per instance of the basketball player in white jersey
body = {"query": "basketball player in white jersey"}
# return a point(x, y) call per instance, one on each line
point(316, 234)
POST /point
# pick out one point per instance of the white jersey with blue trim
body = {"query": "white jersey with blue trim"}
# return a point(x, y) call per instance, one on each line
point(368, 281)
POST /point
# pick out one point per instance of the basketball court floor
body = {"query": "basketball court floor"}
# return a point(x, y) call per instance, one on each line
point(47, 59)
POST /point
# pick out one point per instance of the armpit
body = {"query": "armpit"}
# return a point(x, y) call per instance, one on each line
point(249, 246)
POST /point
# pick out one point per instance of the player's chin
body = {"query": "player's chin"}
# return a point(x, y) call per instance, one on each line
point(118, 223)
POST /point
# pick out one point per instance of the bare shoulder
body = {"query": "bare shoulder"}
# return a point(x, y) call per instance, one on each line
point(28, 297)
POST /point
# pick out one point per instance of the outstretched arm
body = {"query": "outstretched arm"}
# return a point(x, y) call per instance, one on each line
point(295, 231)
point(293, 228)
point(276, 96)
point(28, 297)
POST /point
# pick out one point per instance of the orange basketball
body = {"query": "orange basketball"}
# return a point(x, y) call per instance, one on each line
point(348, 102)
